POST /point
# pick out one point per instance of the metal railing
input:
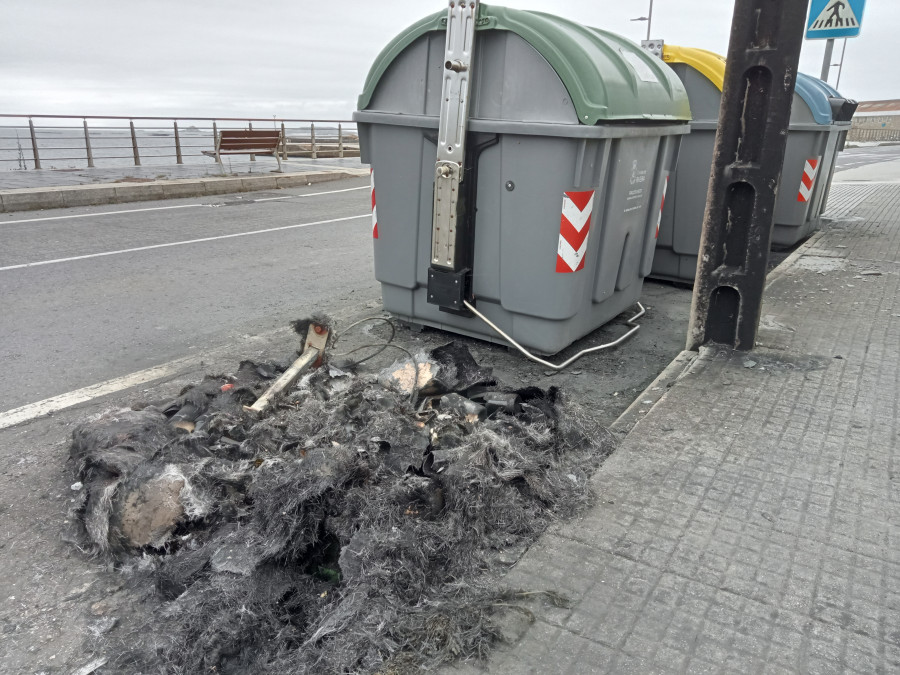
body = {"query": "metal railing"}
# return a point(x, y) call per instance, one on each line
point(59, 142)
point(861, 134)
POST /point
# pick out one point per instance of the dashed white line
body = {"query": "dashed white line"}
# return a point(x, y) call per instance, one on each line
point(181, 243)
point(334, 192)
point(313, 194)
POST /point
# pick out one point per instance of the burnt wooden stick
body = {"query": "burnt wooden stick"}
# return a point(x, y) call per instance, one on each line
point(316, 340)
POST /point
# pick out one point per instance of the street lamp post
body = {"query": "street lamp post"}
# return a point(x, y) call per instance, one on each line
point(648, 19)
point(841, 68)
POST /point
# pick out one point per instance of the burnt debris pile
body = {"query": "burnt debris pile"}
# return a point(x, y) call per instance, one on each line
point(359, 526)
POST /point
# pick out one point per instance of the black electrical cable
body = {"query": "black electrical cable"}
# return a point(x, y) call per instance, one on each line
point(381, 347)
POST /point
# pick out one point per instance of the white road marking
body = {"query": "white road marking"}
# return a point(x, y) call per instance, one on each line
point(311, 194)
point(164, 208)
point(838, 179)
point(99, 213)
point(180, 243)
point(55, 403)
point(333, 192)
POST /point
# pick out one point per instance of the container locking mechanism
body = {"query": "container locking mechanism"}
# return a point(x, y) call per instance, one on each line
point(450, 273)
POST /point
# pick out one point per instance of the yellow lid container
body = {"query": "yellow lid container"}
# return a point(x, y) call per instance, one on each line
point(707, 63)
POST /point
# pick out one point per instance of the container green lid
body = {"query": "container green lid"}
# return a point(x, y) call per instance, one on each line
point(609, 78)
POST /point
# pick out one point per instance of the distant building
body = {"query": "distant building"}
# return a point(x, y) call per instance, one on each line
point(876, 121)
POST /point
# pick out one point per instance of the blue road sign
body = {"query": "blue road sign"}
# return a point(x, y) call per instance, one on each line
point(830, 19)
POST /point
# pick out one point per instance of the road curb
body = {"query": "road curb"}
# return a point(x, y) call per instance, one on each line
point(642, 405)
point(31, 199)
point(652, 394)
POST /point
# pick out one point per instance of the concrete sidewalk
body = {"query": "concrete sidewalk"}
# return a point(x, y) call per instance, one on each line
point(48, 188)
point(749, 521)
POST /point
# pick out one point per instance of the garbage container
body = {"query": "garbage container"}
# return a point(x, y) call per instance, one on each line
point(812, 145)
point(809, 157)
point(571, 135)
point(703, 73)
point(842, 111)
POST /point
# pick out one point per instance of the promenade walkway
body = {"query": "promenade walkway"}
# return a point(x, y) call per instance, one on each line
point(750, 521)
point(53, 188)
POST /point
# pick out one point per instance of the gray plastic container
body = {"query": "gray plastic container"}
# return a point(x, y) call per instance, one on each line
point(813, 135)
point(529, 118)
point(842, 111)
point(810, 153)
point(678, 241)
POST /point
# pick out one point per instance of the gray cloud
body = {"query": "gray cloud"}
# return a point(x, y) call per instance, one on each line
point(304, 59)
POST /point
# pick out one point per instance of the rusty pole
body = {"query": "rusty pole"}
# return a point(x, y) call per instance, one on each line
point(178, 157)
point(134, 144)
point(761, 70)
point(87, 146)
point(34, 147)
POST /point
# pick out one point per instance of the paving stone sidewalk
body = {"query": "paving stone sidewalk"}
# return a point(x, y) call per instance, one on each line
point(749, 522)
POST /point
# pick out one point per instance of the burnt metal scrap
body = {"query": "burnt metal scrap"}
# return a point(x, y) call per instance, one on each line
point(352, 528)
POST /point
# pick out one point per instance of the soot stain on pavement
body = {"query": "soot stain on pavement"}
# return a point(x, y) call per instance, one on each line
point(361, 525)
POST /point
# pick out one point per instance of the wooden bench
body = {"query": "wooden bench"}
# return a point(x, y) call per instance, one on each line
point(248, 142)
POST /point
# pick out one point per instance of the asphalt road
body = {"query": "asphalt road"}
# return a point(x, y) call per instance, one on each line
point(74, 322)
point(88, 297)
point(852, 158)
point(96, 293)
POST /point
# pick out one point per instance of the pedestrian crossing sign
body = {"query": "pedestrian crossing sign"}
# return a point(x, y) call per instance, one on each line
point(829, 19)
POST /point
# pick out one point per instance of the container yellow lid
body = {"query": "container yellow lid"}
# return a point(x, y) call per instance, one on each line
point(707, 63)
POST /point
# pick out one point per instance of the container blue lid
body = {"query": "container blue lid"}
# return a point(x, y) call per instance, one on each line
point(827, 87)
point(815, 94)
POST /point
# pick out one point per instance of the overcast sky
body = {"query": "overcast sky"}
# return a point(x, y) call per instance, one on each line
point(302, 59)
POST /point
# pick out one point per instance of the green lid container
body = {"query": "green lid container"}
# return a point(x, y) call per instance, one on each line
point(609, 78)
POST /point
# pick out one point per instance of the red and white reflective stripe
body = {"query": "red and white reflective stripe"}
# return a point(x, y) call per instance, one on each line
point(574, 228)
point(374, 212)
point(662, 204)
point(808, 180)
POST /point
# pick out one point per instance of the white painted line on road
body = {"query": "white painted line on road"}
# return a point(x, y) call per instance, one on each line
point(334, 192)
point(99, 213)
point(164, 208)
point(180, 243)
point(312, 194)
point(859, 181)
point(51, 405)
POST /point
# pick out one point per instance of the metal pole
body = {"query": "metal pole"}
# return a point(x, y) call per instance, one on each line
point(312, 133)
point(134, 144)
point(215, 136)
point(841, 68)
point(340, 141)
point(826, 62)
point(87, 146)
point(283, 143)
point(649, 19)
point(34, 148)
point(178, 159)
point(747, 162)
point(250, 126)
